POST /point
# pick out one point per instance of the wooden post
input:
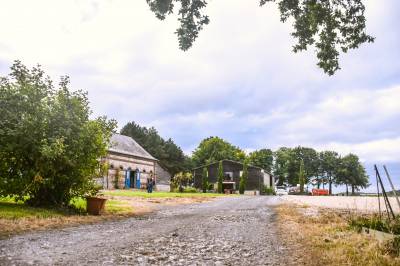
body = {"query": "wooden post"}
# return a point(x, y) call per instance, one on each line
point(391, 184)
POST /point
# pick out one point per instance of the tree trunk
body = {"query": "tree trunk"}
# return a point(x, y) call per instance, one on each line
point(330, 186)
point(352, 189)
point(347, 190)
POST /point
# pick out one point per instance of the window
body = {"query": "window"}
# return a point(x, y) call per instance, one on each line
point(228, 175)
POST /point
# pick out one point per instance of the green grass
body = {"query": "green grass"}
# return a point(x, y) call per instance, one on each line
point(9, 209)
point(143, 194)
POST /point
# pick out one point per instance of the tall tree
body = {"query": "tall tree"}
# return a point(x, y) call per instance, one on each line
point(262, 158)
point(214, 149)
point(205, 180)
point(243, 179)
point(352, 173)
point(281, 164)
point(220, 176)
point(330, 26)
point(167, 152)
point(329, 166)
point(49, 147)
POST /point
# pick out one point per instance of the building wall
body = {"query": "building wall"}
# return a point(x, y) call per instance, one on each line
point(254, 182)
point(163, 179)
point(125, 163)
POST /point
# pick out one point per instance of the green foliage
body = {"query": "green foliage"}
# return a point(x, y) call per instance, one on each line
point(214, 149)
point(301, 176)
point(220, 177)
point(351, 173)
point(329, 164)
point(49, 148)
point(329, 26)
point(268, 190)
point(262, 158)
point(205, 180)
point(189, 190)
point(243, 179)
point(167, 152)
point(116, 178)
point(181, 180)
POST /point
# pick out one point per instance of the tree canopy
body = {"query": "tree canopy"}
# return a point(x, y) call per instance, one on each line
point(330, 26)
point(262, 158)
point(49, 147)
point(167, 152)
point(214, 149)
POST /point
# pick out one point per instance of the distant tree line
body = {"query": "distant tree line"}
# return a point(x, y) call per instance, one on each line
point(291, 166)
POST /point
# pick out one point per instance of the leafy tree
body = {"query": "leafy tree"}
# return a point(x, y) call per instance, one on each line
point(330, 26)
point(49, 147)
point(262, 158)
point(214, 149)
point(220, 177)
point(301, 176)
point(167, 152)
point(329, 166)
point(205, 180)
point(352, 173)
point(281, 164)
point(243, 179)
point(181, 180)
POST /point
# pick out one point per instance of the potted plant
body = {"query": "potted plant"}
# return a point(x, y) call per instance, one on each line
point(94, 202)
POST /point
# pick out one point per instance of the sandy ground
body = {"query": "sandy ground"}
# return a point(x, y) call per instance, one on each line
point(362, 204)
point(225, 231)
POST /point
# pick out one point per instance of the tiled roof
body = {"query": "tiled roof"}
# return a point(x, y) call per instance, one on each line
point(127, 145)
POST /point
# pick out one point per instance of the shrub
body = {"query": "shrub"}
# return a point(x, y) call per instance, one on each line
point(205, 180)
point(243, 179)
point(189, 190)
point(49, 145)
point(268, 190)
point(220, 177)
point(181, 180)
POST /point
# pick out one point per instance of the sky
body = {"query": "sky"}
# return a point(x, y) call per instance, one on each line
point(240, 81)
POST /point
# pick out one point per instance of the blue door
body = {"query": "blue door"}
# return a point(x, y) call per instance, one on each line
point(137, 179)
point(128, 179)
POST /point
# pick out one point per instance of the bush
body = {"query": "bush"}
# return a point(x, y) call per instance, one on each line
point(268, 191)
point(190, 190)
point(49, 146)
point(243, 179)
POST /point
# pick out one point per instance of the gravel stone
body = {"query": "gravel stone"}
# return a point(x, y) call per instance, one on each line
point(227, 231)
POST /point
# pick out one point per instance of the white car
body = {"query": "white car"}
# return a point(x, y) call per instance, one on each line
point(280, 191)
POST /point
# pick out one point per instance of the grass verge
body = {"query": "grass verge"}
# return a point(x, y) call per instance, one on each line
point(16, 217)
point(323, 237)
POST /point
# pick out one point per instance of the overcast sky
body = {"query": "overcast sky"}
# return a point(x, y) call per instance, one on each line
point(240, 81)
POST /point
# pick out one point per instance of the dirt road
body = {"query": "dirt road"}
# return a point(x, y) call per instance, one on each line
point(227, 231)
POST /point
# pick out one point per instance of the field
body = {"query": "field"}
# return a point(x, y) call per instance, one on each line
point(354, 203)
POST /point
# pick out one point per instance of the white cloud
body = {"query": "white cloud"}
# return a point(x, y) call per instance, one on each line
point(239, 81)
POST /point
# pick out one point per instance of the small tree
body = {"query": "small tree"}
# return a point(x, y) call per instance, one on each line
point(205, 180)
point(243, 179)
point(220, 176)
point(181, 179)
point(301, 176)
point(116, 179)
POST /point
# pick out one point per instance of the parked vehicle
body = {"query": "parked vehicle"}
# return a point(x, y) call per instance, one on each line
point(280, 190)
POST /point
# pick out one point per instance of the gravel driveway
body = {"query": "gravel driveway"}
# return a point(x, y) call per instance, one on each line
point(227, 231)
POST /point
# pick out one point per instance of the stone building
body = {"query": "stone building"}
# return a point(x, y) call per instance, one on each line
point(256, 180)
point(130, 165)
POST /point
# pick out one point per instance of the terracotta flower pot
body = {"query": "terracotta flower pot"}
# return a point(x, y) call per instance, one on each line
point(95, 205)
